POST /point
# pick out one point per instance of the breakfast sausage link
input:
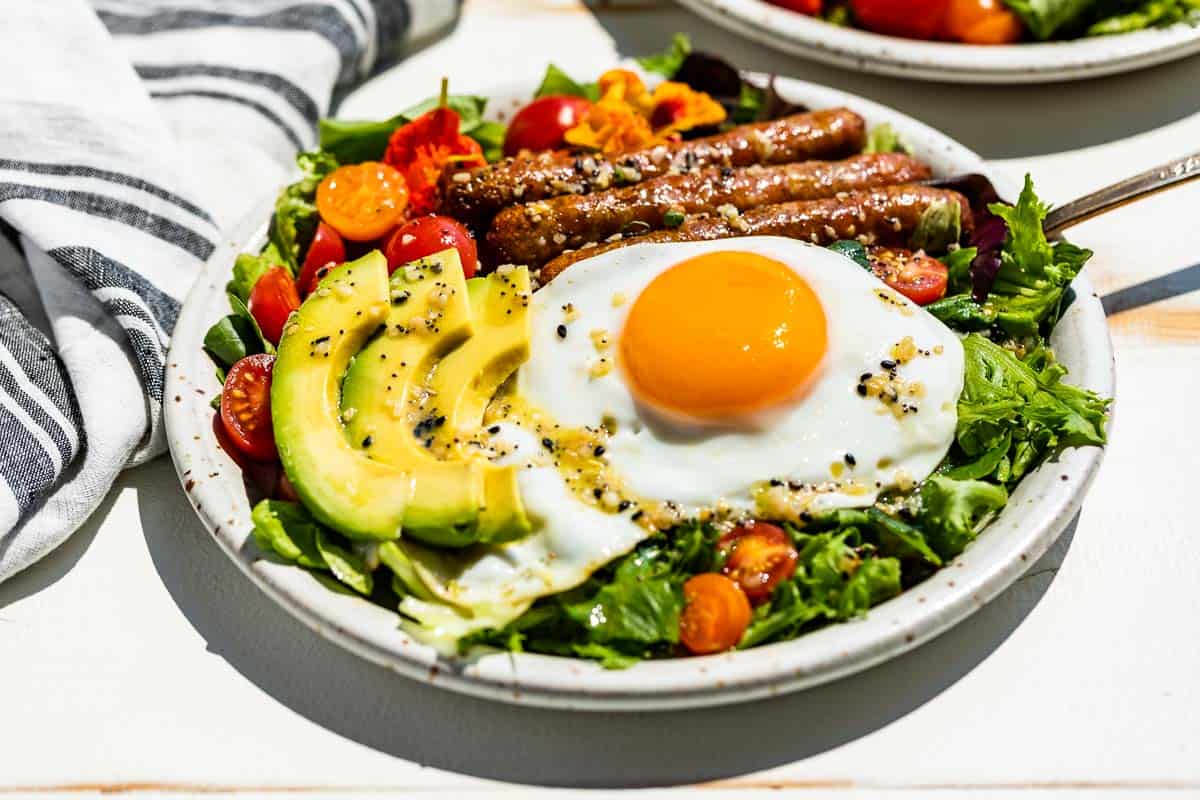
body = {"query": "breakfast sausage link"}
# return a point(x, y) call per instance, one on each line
point(886, 216)
point(475, 196)
point(536, 232)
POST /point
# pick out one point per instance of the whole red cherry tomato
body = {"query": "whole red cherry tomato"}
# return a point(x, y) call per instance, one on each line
point(542, 124)
point(272, 300)
point(809, 7)
point(913, 19)
point(918, 277)
point(246, 406)
point(425, 236)
point(326, 248)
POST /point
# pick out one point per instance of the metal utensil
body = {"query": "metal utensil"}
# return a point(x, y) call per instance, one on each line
point(1181, 170)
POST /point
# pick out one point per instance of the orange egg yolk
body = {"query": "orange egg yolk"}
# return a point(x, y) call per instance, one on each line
point(723, 336)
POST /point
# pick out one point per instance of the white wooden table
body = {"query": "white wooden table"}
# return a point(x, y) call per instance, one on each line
point(137, 659)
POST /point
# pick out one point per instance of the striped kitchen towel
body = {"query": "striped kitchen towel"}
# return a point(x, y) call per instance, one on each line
point(132, 132)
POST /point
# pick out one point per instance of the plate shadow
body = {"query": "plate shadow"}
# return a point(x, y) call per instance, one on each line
point(434, 727)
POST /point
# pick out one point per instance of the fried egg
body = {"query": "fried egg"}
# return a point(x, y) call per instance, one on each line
point(722, 379)
point(720, 367)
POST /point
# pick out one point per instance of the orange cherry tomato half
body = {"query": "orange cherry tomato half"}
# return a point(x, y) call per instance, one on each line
point(542, 124)
point(362, 201)
point(913, 19)
point(246, 407)
point(272, 301)
point(326, 249)
point(715, 616)
point(918, 277)
point(981, 22)
point(425, 236)
point(759, 557)
point(808, 7)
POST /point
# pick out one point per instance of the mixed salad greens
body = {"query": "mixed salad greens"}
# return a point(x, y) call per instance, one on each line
point(999, 21)
point(1004, 292)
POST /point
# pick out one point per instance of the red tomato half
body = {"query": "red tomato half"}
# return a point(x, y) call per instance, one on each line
point(918, 277)
point(326, 248)
point(425, 236)
point(541, 124)
point(246, 406)
point(914, 19)
point(760, 556)
point(272, 300)
point(809, 7)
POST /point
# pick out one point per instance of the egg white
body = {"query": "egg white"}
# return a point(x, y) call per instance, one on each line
point(699, 467)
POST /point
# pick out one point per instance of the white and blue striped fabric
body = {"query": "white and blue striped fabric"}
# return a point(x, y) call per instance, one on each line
point(132, 132)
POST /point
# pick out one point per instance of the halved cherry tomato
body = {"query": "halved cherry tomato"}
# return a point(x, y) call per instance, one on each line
point(809, 7)
point(424, 236)
point(715, 616)
point(981, 22)
point(918, 277)
point(541, 124)
point(325, 249)
point(759, 556)
point(272, 300)
point(262, 475)
point(914, 19)
point(246, 406)
point(362, 201)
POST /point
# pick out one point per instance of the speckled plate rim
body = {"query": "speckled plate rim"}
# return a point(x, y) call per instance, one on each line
point(1039, 510)
point(861, 50)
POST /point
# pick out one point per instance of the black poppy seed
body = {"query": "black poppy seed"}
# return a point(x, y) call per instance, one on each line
point(866, 376)
point(366, 442)
point(795, 486)
point(850, 459)
point(861, 389)
point(548, 443)
point(638, 515)
point(494, 429)
point(598, 451)
point(596, 493)
point(887, 363)
point(561, 330)
point(623, 505)
point(776, 482)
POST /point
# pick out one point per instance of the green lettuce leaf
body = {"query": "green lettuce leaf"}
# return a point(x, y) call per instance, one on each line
point(295, 220)
point(883, 138)
point(954, 511)
point(346, 565)
point(855, 251)
point(556, 82)
point(1014, 413)
point(667, 63)
point(641, 604)
point(230, 340)
point(287, 530)
point(1044, 18)
point(355, 141)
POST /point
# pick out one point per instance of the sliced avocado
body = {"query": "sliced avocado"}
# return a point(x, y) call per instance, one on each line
point(381, 403)
point(342, 487)
point(466, 380)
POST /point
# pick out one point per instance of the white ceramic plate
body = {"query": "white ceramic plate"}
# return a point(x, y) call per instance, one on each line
point(938, 61)
point(1040, 508)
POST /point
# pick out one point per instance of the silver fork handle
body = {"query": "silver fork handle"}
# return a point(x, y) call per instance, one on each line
point(1149, 182)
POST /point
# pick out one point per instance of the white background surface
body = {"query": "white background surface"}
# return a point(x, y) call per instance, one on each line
point(137, 659)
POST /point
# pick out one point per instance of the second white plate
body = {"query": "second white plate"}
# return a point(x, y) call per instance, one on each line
point(939, 61)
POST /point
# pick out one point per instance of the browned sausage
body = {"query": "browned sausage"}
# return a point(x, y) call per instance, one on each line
point(887, 216)
point(534, 233)
point(475, 196)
